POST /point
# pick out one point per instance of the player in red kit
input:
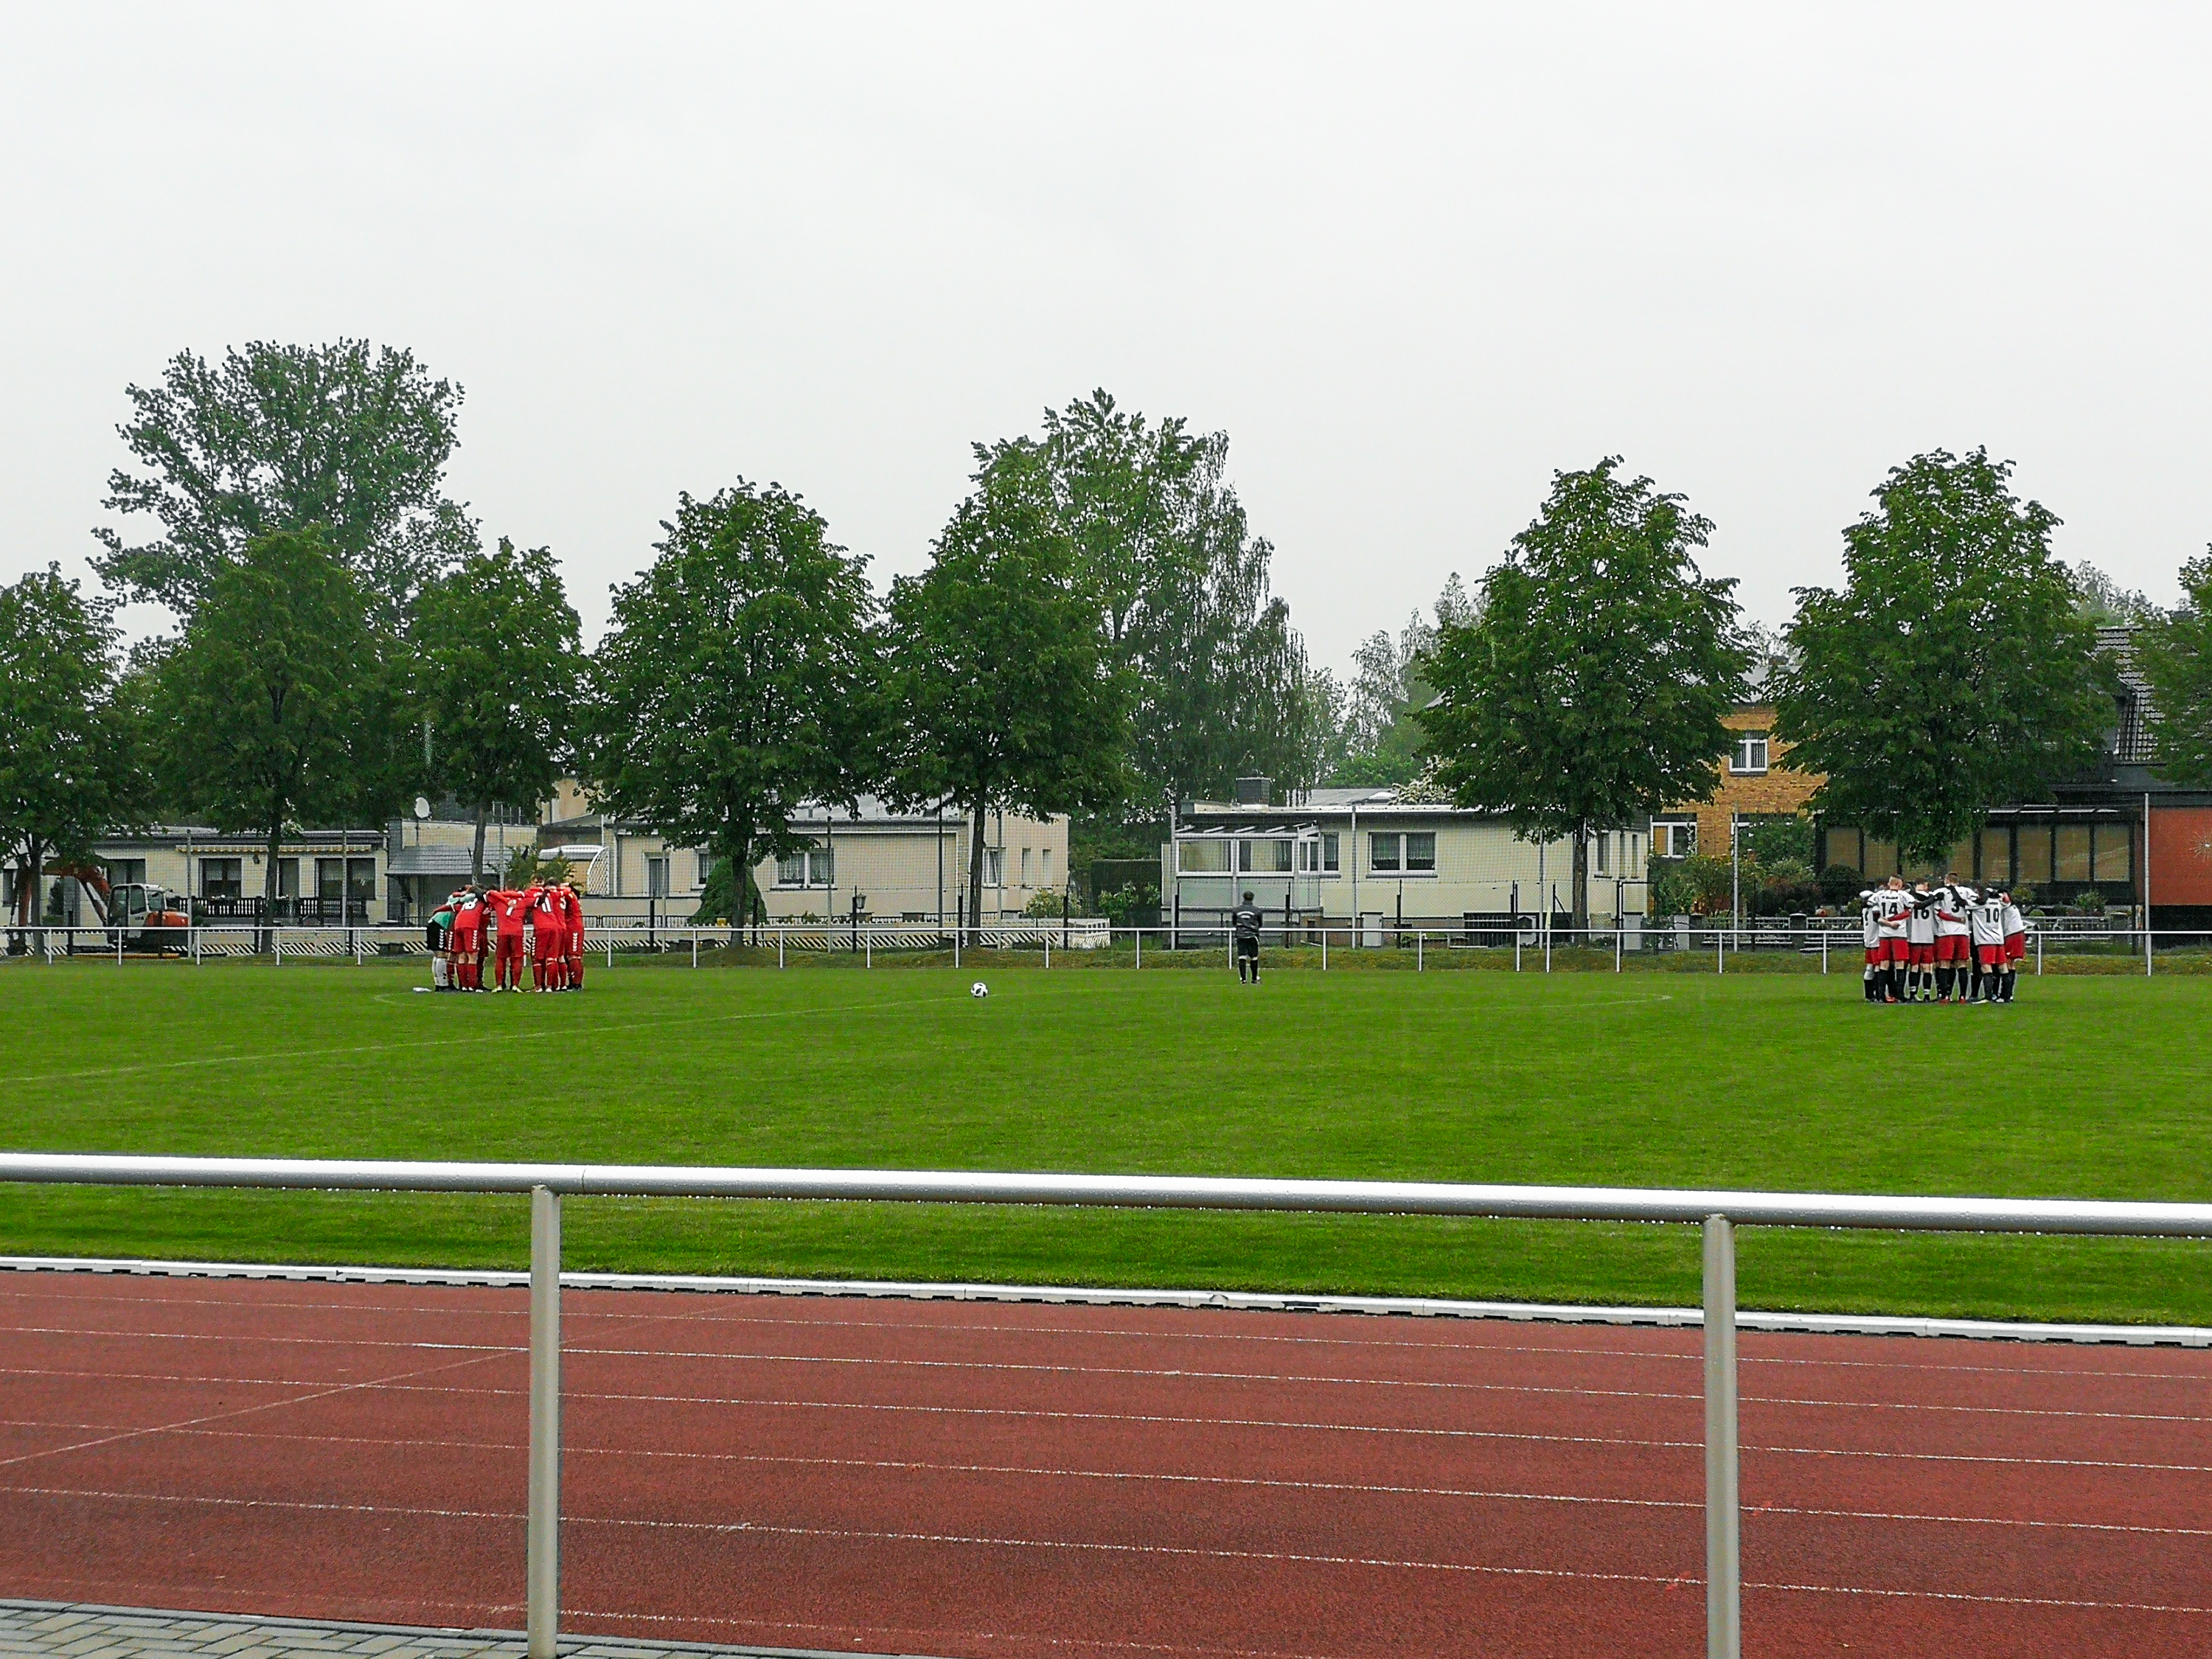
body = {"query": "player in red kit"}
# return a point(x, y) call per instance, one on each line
point(572, 913)
point(507, 915)
point(549, 931)
point(468, 940)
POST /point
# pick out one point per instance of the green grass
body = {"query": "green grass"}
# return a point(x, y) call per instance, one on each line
point(2088, 1087)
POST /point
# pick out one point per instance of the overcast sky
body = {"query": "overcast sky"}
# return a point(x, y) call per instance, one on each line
point(1412, 260)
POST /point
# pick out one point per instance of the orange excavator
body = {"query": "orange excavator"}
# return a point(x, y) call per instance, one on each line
point(151, 918)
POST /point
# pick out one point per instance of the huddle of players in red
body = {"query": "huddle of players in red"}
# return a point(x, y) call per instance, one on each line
point(478, 926)
point(1948, 943)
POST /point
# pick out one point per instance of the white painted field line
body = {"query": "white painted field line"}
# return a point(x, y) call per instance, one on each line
point(2185, 1336)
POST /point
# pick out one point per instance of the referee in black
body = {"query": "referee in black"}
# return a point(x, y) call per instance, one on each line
point(1245, 924)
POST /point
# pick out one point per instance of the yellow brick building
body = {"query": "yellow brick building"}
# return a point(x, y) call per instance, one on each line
point(1755, 780)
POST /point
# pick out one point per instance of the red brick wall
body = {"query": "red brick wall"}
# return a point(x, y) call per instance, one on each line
point(2180, 855)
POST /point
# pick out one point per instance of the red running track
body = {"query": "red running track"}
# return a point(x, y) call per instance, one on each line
point(1002, 1479)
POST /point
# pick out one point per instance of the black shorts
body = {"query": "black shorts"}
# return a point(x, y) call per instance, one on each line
point(1247, 947)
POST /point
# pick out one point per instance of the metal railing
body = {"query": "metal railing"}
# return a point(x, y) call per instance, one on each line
point(1836, 942)
point(1718, 1214)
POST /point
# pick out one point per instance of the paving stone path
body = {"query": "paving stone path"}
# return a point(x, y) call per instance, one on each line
point(63, 1630)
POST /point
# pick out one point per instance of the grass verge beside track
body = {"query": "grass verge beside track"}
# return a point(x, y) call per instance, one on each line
point(2088, 1087)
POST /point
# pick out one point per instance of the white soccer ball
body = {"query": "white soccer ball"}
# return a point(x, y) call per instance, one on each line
point(979, 989)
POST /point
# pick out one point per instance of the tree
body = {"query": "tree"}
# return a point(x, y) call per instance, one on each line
point(347, 436)
point(1591, 688)
point(1377, 742)
point(1953, 671)
point(2109, 604)
point(496, 671)
point(742, 678)
point(999, 664)
point(279, 703)
point(2175, 654)
point(67, 763)
point(1217, 675)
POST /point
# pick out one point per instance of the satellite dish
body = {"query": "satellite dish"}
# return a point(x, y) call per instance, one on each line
point(422, 806)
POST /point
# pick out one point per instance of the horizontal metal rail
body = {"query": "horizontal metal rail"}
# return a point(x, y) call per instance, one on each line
point(2018, 1215)
point(1718, 1214)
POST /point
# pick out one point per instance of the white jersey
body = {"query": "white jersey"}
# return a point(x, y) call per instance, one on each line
point(1987, 919)
point(1869, 921)
point(1890, 906)
point(2014, 922)
point(1920, 921)
point(1952, 904)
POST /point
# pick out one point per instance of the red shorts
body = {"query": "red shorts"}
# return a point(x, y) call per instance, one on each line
point(1990, 955)
point(1921, 956)
point(1951, 947)
point(1895, 950)
point(2015, 947)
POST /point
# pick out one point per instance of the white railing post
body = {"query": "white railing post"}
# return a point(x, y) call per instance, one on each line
point(779, 945)
point(695, 947)
point(1418, 939)
point(542, 1588)
point(1324, 947)
point(2038, 953)
point(1140, 949)
point(1724, 1510)
point(1824, 949)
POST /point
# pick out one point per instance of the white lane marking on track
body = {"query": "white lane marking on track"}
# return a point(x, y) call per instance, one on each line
point(320, 1392)
point(932, 1636)
point(1173, 1478)
point(1297, 1378)
point(1776, 1451)
point(1451, 1341)
point(1074, 1546)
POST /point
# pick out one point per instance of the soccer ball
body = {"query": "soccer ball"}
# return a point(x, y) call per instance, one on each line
point(979, 989)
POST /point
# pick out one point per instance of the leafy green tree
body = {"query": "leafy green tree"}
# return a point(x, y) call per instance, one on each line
point(1217, 675)
point(496, 673)
point(1379, 742)
point(1000, 664)
point(348, 436)
point(1953, 671)
point(1589, 689)
point(279, 704)
point(741, 679)
point(2175, 654)
point(68, 763)
point(2107, 604)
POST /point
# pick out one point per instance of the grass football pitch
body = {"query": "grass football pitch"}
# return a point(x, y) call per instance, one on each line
point(2088, 1087)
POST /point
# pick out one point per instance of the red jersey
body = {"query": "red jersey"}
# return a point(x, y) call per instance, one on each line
point(507, 909)
point(545, 915)
point(572, 909)
point(469, 919)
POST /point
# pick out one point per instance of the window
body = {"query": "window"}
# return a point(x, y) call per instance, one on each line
point(123, 872)
point(1026, 866)
point(2116, 846)
point(1202, 858)
point(288, 877)
point(656, 878)
point(1382, 853)
point(1328, 854)
point(994, 867)
point(361, 880)
point(330, 879)
point(1603, 838)
point(2072, 858)
point(705, 866)
point(811, 867)
point(1266, 858)
point(1673, 838)
point(222, 878)
point(1750, 757)
point(1421, 852)
point(1996, 856)
point(1044, 865)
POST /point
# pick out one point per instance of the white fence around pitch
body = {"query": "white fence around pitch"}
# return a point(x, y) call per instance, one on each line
point(1717, 1214)
point(1835, 942)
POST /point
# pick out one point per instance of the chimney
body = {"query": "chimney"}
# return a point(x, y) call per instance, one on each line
point(1254, 792)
